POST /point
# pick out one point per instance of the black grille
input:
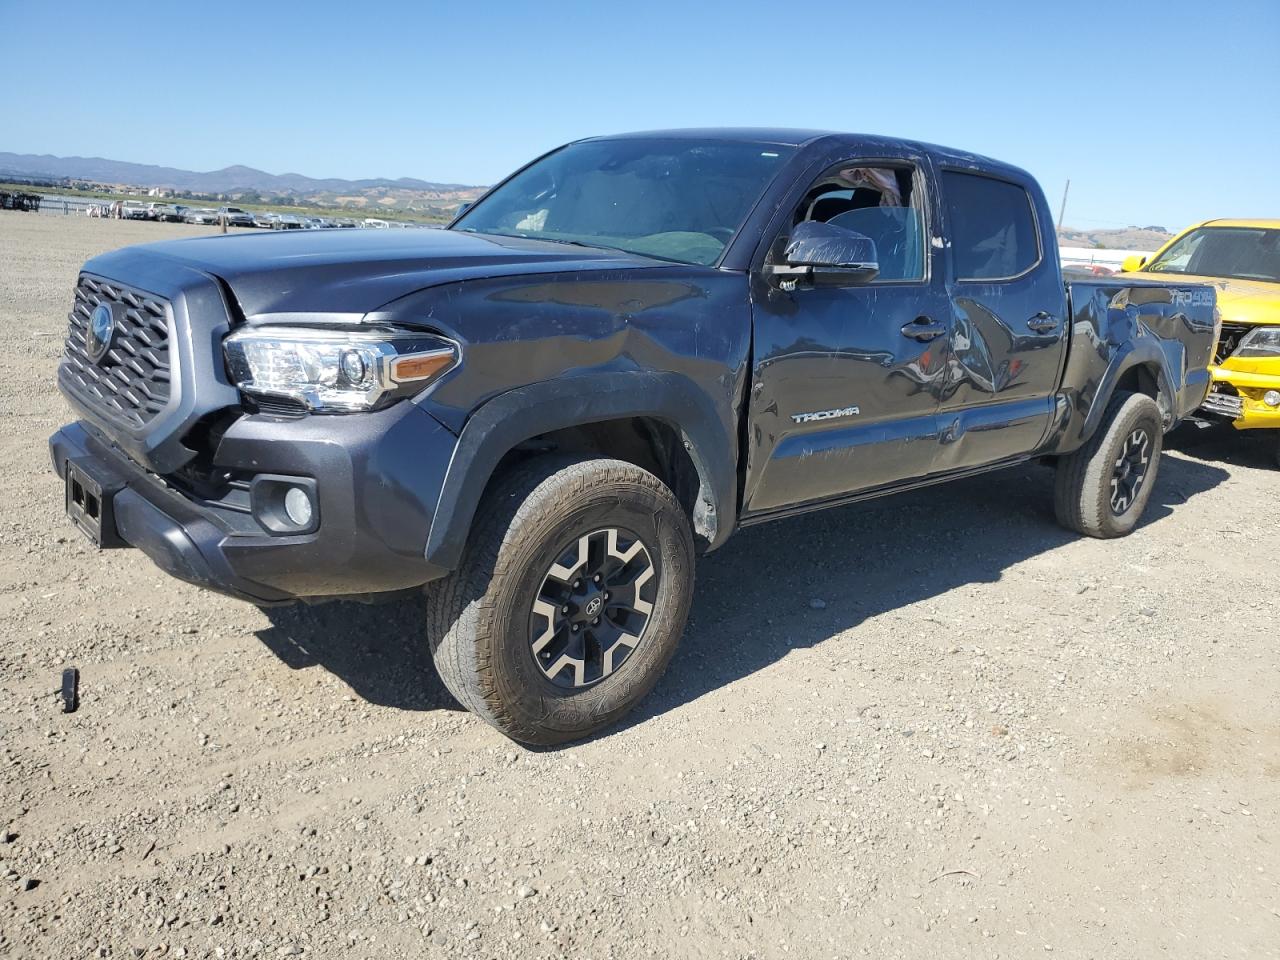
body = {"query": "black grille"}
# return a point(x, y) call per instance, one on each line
point(1229, 340)
point(131, 382)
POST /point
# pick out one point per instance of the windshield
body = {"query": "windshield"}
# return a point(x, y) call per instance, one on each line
point(1233, 253)
point(679, 200)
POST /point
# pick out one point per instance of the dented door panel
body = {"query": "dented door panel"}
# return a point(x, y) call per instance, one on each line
point(841, 400)
point(1007, 348)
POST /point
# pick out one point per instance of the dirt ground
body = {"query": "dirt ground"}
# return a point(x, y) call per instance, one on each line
point(935, 726)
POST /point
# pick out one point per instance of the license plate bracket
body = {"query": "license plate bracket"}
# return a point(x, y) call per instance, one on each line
point(91, 491)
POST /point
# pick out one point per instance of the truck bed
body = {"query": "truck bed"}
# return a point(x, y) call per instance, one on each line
point(1125, 328)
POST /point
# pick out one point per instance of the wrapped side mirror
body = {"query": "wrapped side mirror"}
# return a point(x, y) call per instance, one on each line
point(821, 254)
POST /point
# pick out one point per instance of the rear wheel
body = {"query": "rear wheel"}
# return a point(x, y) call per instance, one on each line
point(571, 597)
point(1102, 489)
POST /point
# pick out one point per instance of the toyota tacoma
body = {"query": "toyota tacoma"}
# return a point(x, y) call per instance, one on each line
point(615, 358)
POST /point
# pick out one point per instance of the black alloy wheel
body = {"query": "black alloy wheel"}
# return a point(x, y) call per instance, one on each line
point(1130, 471)
point(592, 608)
point(1103, 488)
point(571, 596)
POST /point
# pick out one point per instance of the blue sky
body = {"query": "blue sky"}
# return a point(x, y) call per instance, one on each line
point(1159, 113)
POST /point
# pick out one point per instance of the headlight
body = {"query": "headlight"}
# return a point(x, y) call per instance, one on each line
point(336, 370)
point(1259, 342)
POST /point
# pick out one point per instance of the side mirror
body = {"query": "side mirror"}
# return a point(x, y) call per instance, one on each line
point(825, 255)
point(463, 208)
point(1133, 263)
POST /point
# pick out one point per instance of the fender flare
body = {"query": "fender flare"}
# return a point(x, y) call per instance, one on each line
point(1136, 353)
point(510, 418)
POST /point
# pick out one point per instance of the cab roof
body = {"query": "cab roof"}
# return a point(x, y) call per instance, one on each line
point(800, 138)
point(1230, 222)
point(782, 136)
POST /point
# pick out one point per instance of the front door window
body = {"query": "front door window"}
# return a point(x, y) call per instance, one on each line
point(877, 202)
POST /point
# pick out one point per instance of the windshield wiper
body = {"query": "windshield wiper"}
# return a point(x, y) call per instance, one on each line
point(563, 240)
point(577, 243)
point(530, 236)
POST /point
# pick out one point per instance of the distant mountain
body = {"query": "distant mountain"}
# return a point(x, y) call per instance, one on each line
point(1128, 238)
point(227, 181)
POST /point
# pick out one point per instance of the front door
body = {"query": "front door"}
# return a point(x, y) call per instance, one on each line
point(1008, 329)
point(846, 384)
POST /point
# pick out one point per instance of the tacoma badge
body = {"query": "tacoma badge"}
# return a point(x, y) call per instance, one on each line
point(825, 415)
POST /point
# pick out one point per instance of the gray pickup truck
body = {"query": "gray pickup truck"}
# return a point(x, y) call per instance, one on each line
point(618, 356)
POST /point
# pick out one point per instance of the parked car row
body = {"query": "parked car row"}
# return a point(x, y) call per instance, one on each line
point(30, 202)
point(235, 216)
point(289, 221)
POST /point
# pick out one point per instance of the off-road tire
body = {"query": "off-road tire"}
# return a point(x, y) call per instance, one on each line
point(1082, 496)
point(478, 617)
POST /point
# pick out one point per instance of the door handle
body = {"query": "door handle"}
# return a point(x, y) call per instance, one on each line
point(923, 329)
point(1042, 323)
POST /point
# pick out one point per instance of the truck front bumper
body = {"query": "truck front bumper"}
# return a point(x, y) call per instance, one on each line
point(375, 478)
point(1238, 394)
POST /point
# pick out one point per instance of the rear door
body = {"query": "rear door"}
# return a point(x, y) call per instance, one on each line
point(1008, 326)
point(846, 381)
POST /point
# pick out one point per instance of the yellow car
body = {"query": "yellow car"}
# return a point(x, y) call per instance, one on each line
point(1242, 259)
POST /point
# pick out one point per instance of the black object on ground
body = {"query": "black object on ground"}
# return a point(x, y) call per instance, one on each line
point(70, 690)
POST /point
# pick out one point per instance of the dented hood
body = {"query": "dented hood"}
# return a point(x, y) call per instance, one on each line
point(356, 271)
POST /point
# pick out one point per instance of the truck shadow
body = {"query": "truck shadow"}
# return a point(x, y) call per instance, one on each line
point(772, 589)
point(379, 650)
point(1224, 444)
point(757, 595)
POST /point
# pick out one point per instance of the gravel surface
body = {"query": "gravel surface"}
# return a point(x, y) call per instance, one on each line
point(937, 725)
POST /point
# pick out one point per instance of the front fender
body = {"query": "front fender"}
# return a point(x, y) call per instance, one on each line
point(509, 419)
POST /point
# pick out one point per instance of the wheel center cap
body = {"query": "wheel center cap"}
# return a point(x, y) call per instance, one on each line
point(588, 605)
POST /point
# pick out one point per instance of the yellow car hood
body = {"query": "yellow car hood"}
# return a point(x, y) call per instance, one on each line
point(1239, 301)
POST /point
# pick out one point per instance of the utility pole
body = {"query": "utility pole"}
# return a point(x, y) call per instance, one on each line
point(1063, 211)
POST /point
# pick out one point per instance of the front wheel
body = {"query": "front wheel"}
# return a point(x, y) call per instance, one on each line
point(572, 594)
point(1102, 489)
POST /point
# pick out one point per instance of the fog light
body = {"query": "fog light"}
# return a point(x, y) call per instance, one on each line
point(1271, 398)
point(284, 505)
point(297, 506)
